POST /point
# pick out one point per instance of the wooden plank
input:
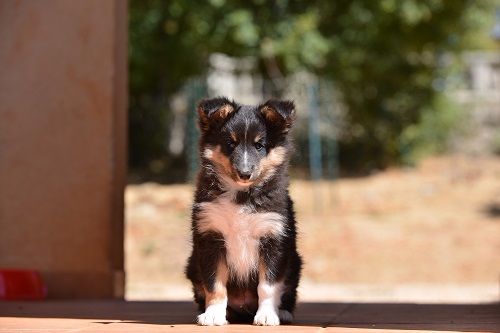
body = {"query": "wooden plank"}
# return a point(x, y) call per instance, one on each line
point(121, 316)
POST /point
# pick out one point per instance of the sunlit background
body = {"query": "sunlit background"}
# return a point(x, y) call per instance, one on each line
point(396, 175)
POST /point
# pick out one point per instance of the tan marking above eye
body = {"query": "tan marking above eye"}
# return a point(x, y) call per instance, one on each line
point(257, 138)
point(233, 136)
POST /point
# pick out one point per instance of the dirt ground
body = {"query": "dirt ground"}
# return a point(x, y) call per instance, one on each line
point(436, 225)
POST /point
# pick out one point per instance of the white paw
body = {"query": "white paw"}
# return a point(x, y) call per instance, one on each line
point(214, 315)
point(266, 316)
point(285, 316)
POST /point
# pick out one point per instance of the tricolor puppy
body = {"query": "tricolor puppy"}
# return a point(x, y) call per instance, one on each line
point(244, 265)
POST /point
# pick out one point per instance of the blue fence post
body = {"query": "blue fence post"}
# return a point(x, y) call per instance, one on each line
point(315, 159)
point(195, 89)
point(331, 140)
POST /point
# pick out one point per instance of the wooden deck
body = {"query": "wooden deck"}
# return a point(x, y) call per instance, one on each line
point(121, 316)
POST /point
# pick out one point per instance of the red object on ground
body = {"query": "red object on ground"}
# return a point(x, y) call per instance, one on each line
point(21, 284)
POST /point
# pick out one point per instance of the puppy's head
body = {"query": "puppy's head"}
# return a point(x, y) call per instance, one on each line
point(245, 143)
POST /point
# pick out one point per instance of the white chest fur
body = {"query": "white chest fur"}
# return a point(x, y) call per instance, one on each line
point(241, 229)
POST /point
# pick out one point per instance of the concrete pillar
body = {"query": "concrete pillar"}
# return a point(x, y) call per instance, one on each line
point(63, 99)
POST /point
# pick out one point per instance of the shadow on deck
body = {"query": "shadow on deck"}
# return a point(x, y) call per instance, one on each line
point(105, 315)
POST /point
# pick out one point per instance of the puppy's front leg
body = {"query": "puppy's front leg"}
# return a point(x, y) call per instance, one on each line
point(269, 291)
point(215, 298)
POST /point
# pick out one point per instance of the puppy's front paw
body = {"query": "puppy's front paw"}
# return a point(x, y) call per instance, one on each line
point(285, 317)
point(266, 316)
point(214, 315)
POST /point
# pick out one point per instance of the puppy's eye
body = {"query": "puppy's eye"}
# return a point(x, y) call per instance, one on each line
point(231, 144)
point(258, 146)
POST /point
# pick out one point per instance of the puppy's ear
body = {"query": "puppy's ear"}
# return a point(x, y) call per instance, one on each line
point(214, 111)
point(279, 114)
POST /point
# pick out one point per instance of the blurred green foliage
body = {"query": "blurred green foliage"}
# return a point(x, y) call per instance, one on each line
point(496, 143)
point(383, 57)
point(430, 135)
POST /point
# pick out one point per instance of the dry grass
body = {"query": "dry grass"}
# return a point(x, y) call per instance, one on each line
point(438, 223)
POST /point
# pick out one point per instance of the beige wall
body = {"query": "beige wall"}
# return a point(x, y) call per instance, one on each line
point(62, 142)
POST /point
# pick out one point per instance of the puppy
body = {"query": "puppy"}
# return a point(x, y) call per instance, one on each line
point(244, 264)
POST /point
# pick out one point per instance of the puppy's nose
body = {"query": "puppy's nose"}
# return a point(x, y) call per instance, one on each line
point(244, 174)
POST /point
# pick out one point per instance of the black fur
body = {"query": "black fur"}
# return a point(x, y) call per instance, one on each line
point(221, 120)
